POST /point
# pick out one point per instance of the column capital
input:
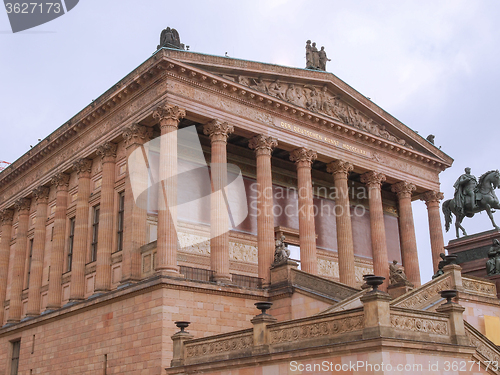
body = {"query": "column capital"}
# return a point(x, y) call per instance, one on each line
point(83, 167)
point(107, 151)
point(432, 196)
point(263, 145)
point(339, 167)
point(137, 134)
point(373, 179)
point(403, 189)
point(60, 181)
point(166, 112)
point(218, 130)
point(23, 204)
point(303, 156)
point(41, 194)
point(7, 216)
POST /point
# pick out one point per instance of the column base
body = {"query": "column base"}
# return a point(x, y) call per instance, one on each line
point(73, 302)
point(30, 316)
point(47, 311)
point(7, 325)
point(127, 282)
point(169, 272)
point(223, 279)
point(27, 318)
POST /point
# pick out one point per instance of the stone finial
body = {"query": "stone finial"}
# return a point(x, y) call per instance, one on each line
point(262, 144)
point(107, 150)
point(432, 197)
point(403, 189)
point(167, 112)
point(23, 204)
point(373, 178)
point(218, 130)
point(83, 166)
point(136, 133)
point(60, 180)
point(41, 194)
point(7, 216)
point(339, 167)
point(303, 155)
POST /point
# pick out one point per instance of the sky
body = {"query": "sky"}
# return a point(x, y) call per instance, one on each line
point(431, 64)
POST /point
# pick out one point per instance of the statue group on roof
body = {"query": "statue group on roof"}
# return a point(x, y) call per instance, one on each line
point(315, 59)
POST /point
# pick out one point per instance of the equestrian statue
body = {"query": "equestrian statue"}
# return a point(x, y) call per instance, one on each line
point(472, 196)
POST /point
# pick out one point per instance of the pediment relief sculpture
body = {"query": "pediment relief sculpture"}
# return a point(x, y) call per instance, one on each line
point(319, 100)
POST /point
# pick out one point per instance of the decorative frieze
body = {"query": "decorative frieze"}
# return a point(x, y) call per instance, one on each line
point(429, 324)
point(478, 286)
point(214, 346)
point(424, 296)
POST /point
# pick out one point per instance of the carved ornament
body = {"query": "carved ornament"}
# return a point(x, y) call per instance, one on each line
point(136, 133)
point(23, 204)
point(432, 197)
point(262, 144)
point(60, 180)
point(83, 167)
point(339, 167)
point(403, 189)
point(167, 112)
point(218, 130)
point(7, 216)
point(373, 179)
point(107, 150)
point(41, 194)
point(303, 155)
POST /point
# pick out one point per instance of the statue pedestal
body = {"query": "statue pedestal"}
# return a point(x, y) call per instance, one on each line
point(472, 254)
point(396, 290)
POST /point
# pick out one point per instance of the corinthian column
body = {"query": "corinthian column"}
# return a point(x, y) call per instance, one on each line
point(6, 217)
point(134, 230)
point(61, 181)
point(431, 199)
point(409, 252)
point(340, 170)
point(16, 286)
point(106, 218)
point(83, 168)
point(263, 147)
point(168, 117)
point(373, 181)
point(218, 132)
point(303, 159)
point(41, 195)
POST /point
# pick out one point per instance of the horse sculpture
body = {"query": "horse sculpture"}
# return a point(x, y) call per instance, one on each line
point(486, 200)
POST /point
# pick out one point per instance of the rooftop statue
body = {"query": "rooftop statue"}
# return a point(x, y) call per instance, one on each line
point(493, 263)
point(281, 252)
point(315, 59)
point(471, 197)
point(170, 38)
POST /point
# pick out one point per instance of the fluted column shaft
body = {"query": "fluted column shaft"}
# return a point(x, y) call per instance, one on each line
point(169, 117)
point(6, 216)
point(303, 159)
point(432, 199)
point(265, 221)
point(106, 218)
point(409, 252)
point(135, 215)
point(41, 195)
point(16, 286)
point(347, 271)
point(61, 182)
point(219, 221)
point(83, 167)
point(374, 182)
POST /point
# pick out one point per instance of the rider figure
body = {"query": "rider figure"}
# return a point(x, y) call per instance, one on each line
point(465, 196)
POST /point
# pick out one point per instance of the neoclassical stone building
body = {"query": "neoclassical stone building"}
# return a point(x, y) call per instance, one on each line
point(92, 277)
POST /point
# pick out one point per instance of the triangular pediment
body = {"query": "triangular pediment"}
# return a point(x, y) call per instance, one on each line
point(319, 92)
